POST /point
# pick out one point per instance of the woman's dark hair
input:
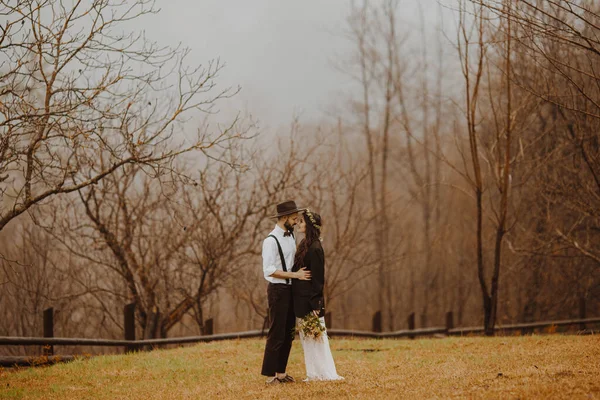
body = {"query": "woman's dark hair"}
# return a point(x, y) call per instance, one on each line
point(312, 234)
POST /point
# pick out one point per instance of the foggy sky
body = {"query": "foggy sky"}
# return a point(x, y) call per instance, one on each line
point(281, 52)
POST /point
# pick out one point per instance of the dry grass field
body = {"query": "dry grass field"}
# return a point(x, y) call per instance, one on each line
point(528, 367)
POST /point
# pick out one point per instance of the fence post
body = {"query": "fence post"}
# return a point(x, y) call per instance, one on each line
point(449, 321)
point(411, 324)
point(328, 320)
point(208, 327)
point(129, 324)
point(377, 322)
point(582, 310)
point(48, 330)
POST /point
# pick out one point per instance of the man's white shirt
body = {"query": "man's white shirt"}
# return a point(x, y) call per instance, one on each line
point(270, 254)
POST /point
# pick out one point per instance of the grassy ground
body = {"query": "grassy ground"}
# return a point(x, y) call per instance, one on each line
point(530, 367)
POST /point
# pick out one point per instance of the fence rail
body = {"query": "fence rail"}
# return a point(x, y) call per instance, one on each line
point(46, 341)
point(131, 344)
point(42, 341)
point(29, 361)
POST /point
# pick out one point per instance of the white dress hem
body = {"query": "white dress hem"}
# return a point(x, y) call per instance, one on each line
point(318, 358)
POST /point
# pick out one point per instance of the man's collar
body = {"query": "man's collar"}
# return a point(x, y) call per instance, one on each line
point(283, 232)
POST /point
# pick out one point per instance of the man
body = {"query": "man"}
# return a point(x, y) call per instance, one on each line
point(278, 252)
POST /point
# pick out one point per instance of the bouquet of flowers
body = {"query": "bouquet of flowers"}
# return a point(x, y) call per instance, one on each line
point(311, 327)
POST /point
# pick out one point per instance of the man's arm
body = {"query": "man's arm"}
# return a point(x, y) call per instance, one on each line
point(301, 274)
point(269, 250)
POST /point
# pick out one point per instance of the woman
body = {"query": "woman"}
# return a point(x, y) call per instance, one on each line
point(308, 298)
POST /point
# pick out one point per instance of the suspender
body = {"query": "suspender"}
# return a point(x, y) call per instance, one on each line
point(287, 281)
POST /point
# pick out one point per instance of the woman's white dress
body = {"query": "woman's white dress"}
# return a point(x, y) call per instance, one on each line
point(318, 358)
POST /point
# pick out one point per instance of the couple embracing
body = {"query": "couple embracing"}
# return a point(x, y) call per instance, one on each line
point(296, 276)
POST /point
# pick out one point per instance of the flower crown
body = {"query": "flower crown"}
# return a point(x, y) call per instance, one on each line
point(312, 219)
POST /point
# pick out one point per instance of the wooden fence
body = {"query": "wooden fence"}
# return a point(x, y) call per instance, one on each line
point(129, 343)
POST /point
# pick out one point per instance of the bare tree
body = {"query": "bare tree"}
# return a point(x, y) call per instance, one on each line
point(171, 245)
point(334, 189)
point(501, 168)
point(420, 116)
point(72, 87)
point(558, 43)
point(560, 39)
point(376, 70)
point(36, 275)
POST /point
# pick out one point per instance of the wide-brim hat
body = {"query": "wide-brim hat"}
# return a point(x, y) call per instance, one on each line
point(287, 208)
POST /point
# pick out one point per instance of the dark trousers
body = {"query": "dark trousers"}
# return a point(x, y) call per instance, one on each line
point(281, 325)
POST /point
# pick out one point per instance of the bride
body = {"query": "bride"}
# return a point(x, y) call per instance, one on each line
point(308, 298)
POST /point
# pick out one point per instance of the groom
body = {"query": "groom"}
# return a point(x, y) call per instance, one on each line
point(278, 252)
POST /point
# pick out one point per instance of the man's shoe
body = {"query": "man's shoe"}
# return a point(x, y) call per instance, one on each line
point(273, 381)
point(287, 379)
